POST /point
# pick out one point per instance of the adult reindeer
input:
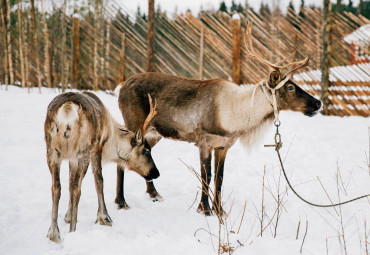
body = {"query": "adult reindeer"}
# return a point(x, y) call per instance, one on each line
point(212, 114)
point(79, 128)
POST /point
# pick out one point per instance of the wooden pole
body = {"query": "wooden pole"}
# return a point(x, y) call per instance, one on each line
point(150, 38)
point(76, 53)
point(35, 43)
point(122, 59)
point(236, 49)
point(20, 38)
point(4, 28)
point(2, 45)
point(201, 53)
point(64, 77)
point(46, 48)
point(96, 25)
point(107, 55)
point(25, 50)
point(326, 55)
point(9, 40)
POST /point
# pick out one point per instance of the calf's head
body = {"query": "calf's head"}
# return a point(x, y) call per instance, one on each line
point(134, 153)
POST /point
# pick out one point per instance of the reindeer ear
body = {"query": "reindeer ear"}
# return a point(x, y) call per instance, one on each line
point(274, 78)
point(139, 136)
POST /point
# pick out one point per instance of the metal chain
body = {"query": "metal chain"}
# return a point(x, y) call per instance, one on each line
point(278, 145)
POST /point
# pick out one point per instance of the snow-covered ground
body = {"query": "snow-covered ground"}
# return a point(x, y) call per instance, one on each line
point(313, 147)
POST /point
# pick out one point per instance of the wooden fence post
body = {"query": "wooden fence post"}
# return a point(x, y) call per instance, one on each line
point(4, 34)
point(76, 53)
point(35, 43)
point(96, 26)
point(150, 38)
point(326, 55)
point(201, 52)
point(9, 40)
point(46, 47)
point(236, 49)
point(20, 39)
point(64, 73)
point(122, 59)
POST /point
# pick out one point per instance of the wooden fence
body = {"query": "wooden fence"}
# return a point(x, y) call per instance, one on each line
point(103, 45)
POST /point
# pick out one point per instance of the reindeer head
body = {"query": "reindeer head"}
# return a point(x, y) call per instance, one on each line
point(289, 96)
point(134, 152)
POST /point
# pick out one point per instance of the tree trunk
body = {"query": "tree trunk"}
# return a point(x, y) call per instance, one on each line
point(20, 38)
point(46, 49)
point(150, 38)
point(35, 43)
point(326, 55)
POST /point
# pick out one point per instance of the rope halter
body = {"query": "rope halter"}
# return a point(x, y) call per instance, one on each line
point(264, 85)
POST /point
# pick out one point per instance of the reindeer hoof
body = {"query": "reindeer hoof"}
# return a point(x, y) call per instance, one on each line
point(104, 220)
point(67, 218)
point(121, 204)
point(204, 208)
point(218, 210)
point(54, 235)
point(156, 197)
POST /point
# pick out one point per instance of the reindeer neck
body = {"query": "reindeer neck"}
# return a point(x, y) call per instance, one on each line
point(256, 114)
point(111, 132)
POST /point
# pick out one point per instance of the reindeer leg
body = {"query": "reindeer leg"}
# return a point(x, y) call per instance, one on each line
point(54, 160)
point(77, 169)
point(150, 188)
point(205, 165)
point(153, 193)
point(220, 156)
point(102, 215)
point(120, 199)
point(67, 217)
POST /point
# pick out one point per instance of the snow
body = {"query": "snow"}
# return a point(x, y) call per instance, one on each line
point(312, 147)
point(360, 36)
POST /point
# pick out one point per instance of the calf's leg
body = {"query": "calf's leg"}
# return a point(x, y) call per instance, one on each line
point(77, 170)
point(54, 160)
point(102, 215)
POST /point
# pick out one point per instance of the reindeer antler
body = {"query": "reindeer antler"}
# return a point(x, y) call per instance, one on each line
point(150, 116)
point(303, 63)
point(250, 51)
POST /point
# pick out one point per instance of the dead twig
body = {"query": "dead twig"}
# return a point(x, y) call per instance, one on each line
point(241, 220)
point(304, 237)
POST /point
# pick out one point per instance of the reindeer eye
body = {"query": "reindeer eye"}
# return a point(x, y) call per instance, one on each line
point(290, 87)
point(146, 153)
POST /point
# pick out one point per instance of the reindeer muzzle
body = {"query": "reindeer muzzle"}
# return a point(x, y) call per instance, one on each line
point(153, 174)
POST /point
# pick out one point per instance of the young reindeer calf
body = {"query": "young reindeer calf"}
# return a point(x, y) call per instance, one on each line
point(79, 128)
